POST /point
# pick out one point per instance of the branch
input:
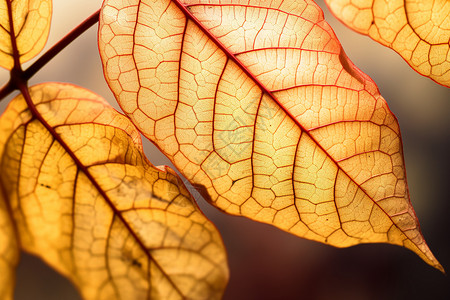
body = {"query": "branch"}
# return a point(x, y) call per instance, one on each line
point(69, 38)
point(18, 75)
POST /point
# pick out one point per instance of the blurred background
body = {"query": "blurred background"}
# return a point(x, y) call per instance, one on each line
point(266, 263)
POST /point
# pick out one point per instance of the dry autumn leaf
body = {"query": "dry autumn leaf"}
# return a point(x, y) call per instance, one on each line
point(29, 32)
point(259, 107)
point(419, 30)
point(86, 200)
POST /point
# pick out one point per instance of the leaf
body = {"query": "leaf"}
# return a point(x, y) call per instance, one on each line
point(260, 108)
point(418, 30)
point(9, 251)
point(86, 200)
point(31, 25)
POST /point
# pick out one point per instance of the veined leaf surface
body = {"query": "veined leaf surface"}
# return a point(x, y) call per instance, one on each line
point(86, 200)
point(29, 30)
point(418, 30)
point(258, 106)
point(9, 250)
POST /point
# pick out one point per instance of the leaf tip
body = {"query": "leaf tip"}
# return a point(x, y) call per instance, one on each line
point(427, 256)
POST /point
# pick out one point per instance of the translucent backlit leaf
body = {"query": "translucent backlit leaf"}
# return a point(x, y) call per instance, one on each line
point(86, 200)
point(9, 251)
point(31, 25)
point(419, 30)
point(259, 107)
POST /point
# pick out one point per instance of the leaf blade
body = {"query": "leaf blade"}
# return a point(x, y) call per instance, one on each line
point(260, 108)
point(9, 250)
point(31, 26)
point(111, 222)
point(417, 30)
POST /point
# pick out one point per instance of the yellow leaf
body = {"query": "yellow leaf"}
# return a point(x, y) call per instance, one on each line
point(87, 201)
point(260, 108)
point(31, 25)
point(9, 250)
point(418, 30)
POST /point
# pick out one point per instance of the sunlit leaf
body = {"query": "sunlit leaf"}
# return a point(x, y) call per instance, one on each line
point(31, 25)
point(259, 107)
point(87, 201)
point(419, 30)
point(9, 251)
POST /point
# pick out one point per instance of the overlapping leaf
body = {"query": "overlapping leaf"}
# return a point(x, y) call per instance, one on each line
point(259, 107)
point(85, 199)
point(419, 30)
point(31, 25)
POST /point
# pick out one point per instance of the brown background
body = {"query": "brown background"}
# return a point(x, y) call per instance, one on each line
point(267, 263)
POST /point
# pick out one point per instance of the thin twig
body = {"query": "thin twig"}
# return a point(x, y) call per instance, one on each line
point(24, 76)
point(69, 38)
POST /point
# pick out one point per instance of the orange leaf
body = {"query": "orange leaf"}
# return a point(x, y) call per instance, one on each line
point(31, 25)
point(260, 108)
point(86, 200)
point(9, 251)
point(418, 30)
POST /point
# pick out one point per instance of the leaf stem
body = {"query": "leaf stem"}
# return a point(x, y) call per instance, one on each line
point(16, 71)
point(7, 89)
point(69, 38)
point(17, 74)
point(15, 52)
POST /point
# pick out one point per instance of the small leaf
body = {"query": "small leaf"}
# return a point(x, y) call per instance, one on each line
point(418, 30)
point(9, 250)
point(86, 200)
point(260, 108)
point(31, 25)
